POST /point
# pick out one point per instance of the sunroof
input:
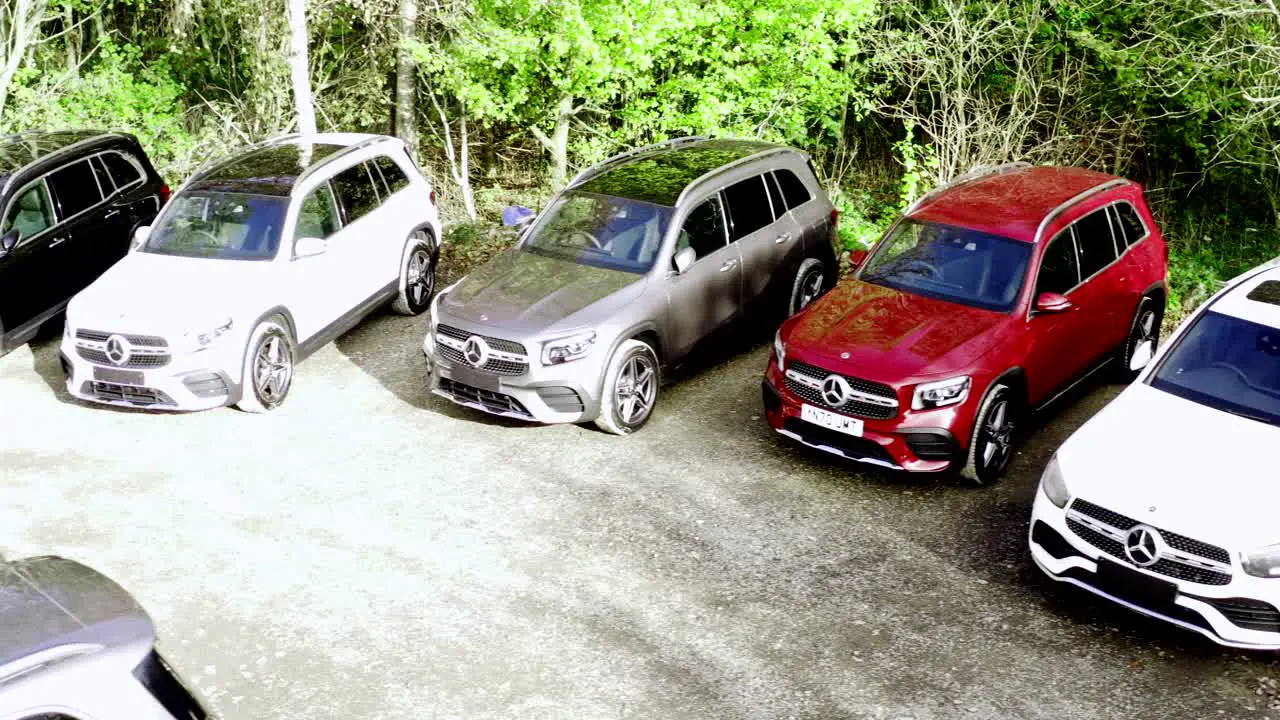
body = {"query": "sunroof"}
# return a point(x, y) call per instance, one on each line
point(1266, 292)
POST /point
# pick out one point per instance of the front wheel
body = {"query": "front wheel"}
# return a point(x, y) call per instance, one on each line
point(417, 277)
point(630, 388)
point(268, 368)
point(991, 447)
point(807, 286)
point(1140, 345)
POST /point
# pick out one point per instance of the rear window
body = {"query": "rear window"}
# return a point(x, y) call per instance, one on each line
point(165, 686)
point(75, 188)
point(392, 175)
point(793, 189)
point(1131, 226)
point(356, 191)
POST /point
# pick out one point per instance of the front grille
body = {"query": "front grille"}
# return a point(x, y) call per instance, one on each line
point(1174, 540)
point(507, 346)
point(850, 446)
point(561, 399)
point(1166, 566)
point(492, 366)
point(98, 356)
point(1248, 613)
point(126, 393)
point(139, 340)
point(853, 407)
point(494, 402)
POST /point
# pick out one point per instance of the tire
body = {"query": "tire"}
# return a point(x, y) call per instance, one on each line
point(994, 432)
point(624, 415)
point(268, 368)
point(808, 286)
point(417, 276)
point(1144, 329)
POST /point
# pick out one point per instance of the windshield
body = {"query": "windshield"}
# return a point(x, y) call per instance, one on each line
point(950, 263)
point(235, 226)
point(601, 230)
point(1228, 364)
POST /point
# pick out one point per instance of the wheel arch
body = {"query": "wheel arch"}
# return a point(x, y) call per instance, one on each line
point(290, 327)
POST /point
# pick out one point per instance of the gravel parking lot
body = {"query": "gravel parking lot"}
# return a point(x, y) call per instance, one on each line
point(372, 551)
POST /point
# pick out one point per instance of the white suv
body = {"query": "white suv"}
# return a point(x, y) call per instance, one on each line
point(1165, 501)
point(256, 262)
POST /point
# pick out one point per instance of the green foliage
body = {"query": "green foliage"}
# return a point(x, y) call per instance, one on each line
point(918, 164)
point(470, 245)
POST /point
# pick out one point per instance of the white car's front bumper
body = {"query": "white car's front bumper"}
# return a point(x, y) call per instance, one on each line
point(1242, 613)
point(167, 380)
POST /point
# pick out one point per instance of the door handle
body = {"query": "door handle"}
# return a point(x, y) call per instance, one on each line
point(111, 213)
point(58, 241)
point(784, 237)
point(728, 265)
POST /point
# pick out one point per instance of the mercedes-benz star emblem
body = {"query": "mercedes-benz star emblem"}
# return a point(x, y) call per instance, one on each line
point(844, 356)
point(476, 350)
point(118, 350)
point(1143, 545)
point(835, 390)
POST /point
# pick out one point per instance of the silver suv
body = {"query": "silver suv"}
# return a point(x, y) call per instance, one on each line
point(641, 257)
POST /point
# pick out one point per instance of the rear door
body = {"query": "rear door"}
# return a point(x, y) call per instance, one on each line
point(708, 294)
point(763, 242)
point(88, 251)
point(362, 242)
point(29, 275)
point(1101, 291)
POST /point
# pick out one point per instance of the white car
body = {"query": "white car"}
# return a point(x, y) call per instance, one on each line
point(1165, 501)
point(253, 264)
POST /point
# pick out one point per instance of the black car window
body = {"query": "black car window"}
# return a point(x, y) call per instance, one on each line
point(1059, 270)
point(748, 206)
point(775, 196)
point(793, 189)
point(356, 191)
point(31, 213)
point(1129, 222)
point(75, 188)
point(318, 215)
point(104, 178)
point(1094, 243)
point(703, 229)
point(123, 171)
point(394, 177)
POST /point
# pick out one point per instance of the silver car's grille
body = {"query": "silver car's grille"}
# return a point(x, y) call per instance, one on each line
point(1184, 558)
point(506, 346)
point(492, 365)
point(497, 357)
point(140, 340)
point(136, 351)
point(873, 400)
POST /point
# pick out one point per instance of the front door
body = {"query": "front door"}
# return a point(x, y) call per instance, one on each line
point(30, 276)
point(1056, 338)
point(315, 281)
point(709, 292)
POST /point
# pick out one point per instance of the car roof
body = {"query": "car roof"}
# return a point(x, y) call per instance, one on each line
point(24, 149)
point(1010, 204)
point(49, 602)
point(272, 168)
point(1256, 298)
point(660, 175)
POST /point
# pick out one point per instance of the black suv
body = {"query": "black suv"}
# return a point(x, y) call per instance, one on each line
point(71, 201)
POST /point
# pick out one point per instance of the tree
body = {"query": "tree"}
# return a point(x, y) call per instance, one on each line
point(299, 68)
point(406, 73)
point(19, 32)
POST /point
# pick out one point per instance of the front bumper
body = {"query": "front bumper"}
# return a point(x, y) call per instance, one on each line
point(187, 382)
point(1242, 613)
point(566, 393)
point(912, 441)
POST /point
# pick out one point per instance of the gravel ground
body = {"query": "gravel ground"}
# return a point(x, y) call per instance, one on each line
point(372, 551)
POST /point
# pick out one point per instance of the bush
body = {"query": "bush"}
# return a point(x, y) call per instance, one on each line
point(470, 245)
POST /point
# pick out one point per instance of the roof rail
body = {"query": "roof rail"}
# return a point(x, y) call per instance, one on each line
point(975, 173)
point(66, 149)
point(613, 160)
point(340, 154)
point(1063, 206)
point(723, 168)
point(218, 162)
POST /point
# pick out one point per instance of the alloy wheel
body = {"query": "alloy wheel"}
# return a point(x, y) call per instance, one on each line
point(419, 280)
point(272, 370)
point(635, 390)
point(1144, 340)
point(997, 436)
point(810, 288)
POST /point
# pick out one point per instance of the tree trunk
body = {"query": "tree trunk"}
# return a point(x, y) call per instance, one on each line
point(406, 73)
point(459, 159)
point(71, 34)
point(23, 33)
point(558, 144)
point(299, 73)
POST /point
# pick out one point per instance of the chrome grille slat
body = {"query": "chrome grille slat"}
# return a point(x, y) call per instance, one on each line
point(853, 407)
point(1186, 558)
point(507, 346)
point(99, 336)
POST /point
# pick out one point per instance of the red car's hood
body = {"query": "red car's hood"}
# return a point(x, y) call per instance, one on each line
point(893, 335)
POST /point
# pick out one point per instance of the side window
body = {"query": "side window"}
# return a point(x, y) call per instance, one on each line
point(392, 174)
point(31, 213)
point(75, 188)
point(703, 229)
point(1059, 271)
point(793, 189)
point(1130, 223)
point(748, 206)
point(775, 196)
point(104, 178)
point(318, 215)
point(123, 171)
point(356, 191)
point(1093, 238)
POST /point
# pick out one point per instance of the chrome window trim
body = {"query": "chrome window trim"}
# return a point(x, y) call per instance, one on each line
point(1146, 231)
point(139, 179)
point(724, 169)
point(68, 150)
point(1071, 202)
point(57, 218)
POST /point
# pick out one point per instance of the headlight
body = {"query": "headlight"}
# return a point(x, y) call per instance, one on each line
point(1052, 484)
point(196, 341)
point(1263, 562)
point(941, 393)
point(573, 347)
point(778, 350)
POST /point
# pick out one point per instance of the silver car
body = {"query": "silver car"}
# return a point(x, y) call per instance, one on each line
point(639, 259)
point(74, 644)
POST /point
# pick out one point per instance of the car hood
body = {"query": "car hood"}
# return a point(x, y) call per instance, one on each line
point(527, 292)
point(1203, 471)
point(147, 293)
point(894, 334)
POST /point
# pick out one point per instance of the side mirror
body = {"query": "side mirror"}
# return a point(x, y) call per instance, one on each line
point(1052, 302)
point(309, 247)
point(9, 241)
point(140, 236)
point(684, 259)
point(857, 257)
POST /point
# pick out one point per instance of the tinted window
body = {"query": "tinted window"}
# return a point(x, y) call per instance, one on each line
point(775, 195)
point(356, 192)
point(1059, 271)
point(318, 216)
point(103, 177)
point(75, 188)
point(748, 206)
point(1094, 243)
point(1228, 364)
point(234, 226)
point(601, 230)
point(703, 229)
point(793, 189)
point(1129, 222)
point(123, 172)
point(391, 174)
point(31, 212)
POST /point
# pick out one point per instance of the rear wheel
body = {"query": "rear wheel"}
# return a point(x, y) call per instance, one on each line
point(268, 368)
point(1140, 345)
point(630, 388)
point(807, 286)
point(417, 276)
point(991, 447)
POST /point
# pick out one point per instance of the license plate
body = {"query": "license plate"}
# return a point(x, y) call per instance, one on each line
point(467, 376)
point(120, 377)
point(831, 421)
point(1131, 585)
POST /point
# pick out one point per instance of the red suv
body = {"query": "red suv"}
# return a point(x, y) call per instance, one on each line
point(987, 299)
